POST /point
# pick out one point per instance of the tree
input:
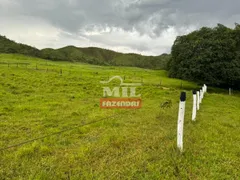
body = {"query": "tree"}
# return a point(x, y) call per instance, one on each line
point(209, 55)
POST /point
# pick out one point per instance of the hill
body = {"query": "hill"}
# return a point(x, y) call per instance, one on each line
point(98, 56)
point(9, 46)
point(91, 55)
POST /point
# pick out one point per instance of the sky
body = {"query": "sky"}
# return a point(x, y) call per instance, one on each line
point(147, 27)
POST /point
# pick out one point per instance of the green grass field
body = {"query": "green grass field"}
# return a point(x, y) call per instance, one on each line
point(37, 101)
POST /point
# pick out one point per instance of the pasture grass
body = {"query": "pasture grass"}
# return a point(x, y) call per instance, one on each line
point(133, 144)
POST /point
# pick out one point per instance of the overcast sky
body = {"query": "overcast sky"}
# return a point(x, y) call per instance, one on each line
point(142, 26)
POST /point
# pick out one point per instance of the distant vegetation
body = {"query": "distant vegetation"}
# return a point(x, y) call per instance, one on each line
point(8, 46)
point(209, 55)
point(89, 55)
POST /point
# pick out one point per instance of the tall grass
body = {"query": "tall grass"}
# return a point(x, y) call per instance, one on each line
point(135, 144)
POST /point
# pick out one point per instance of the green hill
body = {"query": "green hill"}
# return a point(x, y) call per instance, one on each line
point(9, 46)
point(98, 56)
point(91, 55)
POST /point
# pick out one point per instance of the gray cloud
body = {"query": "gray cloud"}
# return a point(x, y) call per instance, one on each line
point(142, 26)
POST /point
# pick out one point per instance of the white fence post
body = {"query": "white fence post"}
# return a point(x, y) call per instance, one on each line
point(194, 111)
point(204, 88)
point(203, 91)
point(198, 100)
point(200, 96)
point(181, 114)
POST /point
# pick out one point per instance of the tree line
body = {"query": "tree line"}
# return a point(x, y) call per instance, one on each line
point(208, 55)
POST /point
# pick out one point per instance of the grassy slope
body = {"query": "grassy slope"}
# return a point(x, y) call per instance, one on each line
point(137, 144)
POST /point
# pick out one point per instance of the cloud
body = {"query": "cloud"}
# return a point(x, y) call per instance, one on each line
point(140, 26)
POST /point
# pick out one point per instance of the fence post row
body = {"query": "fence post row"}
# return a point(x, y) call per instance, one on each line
point(181, 114)
point(197, 99)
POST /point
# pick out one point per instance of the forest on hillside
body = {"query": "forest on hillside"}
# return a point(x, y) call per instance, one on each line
point(208, 55)
point(91, 55)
